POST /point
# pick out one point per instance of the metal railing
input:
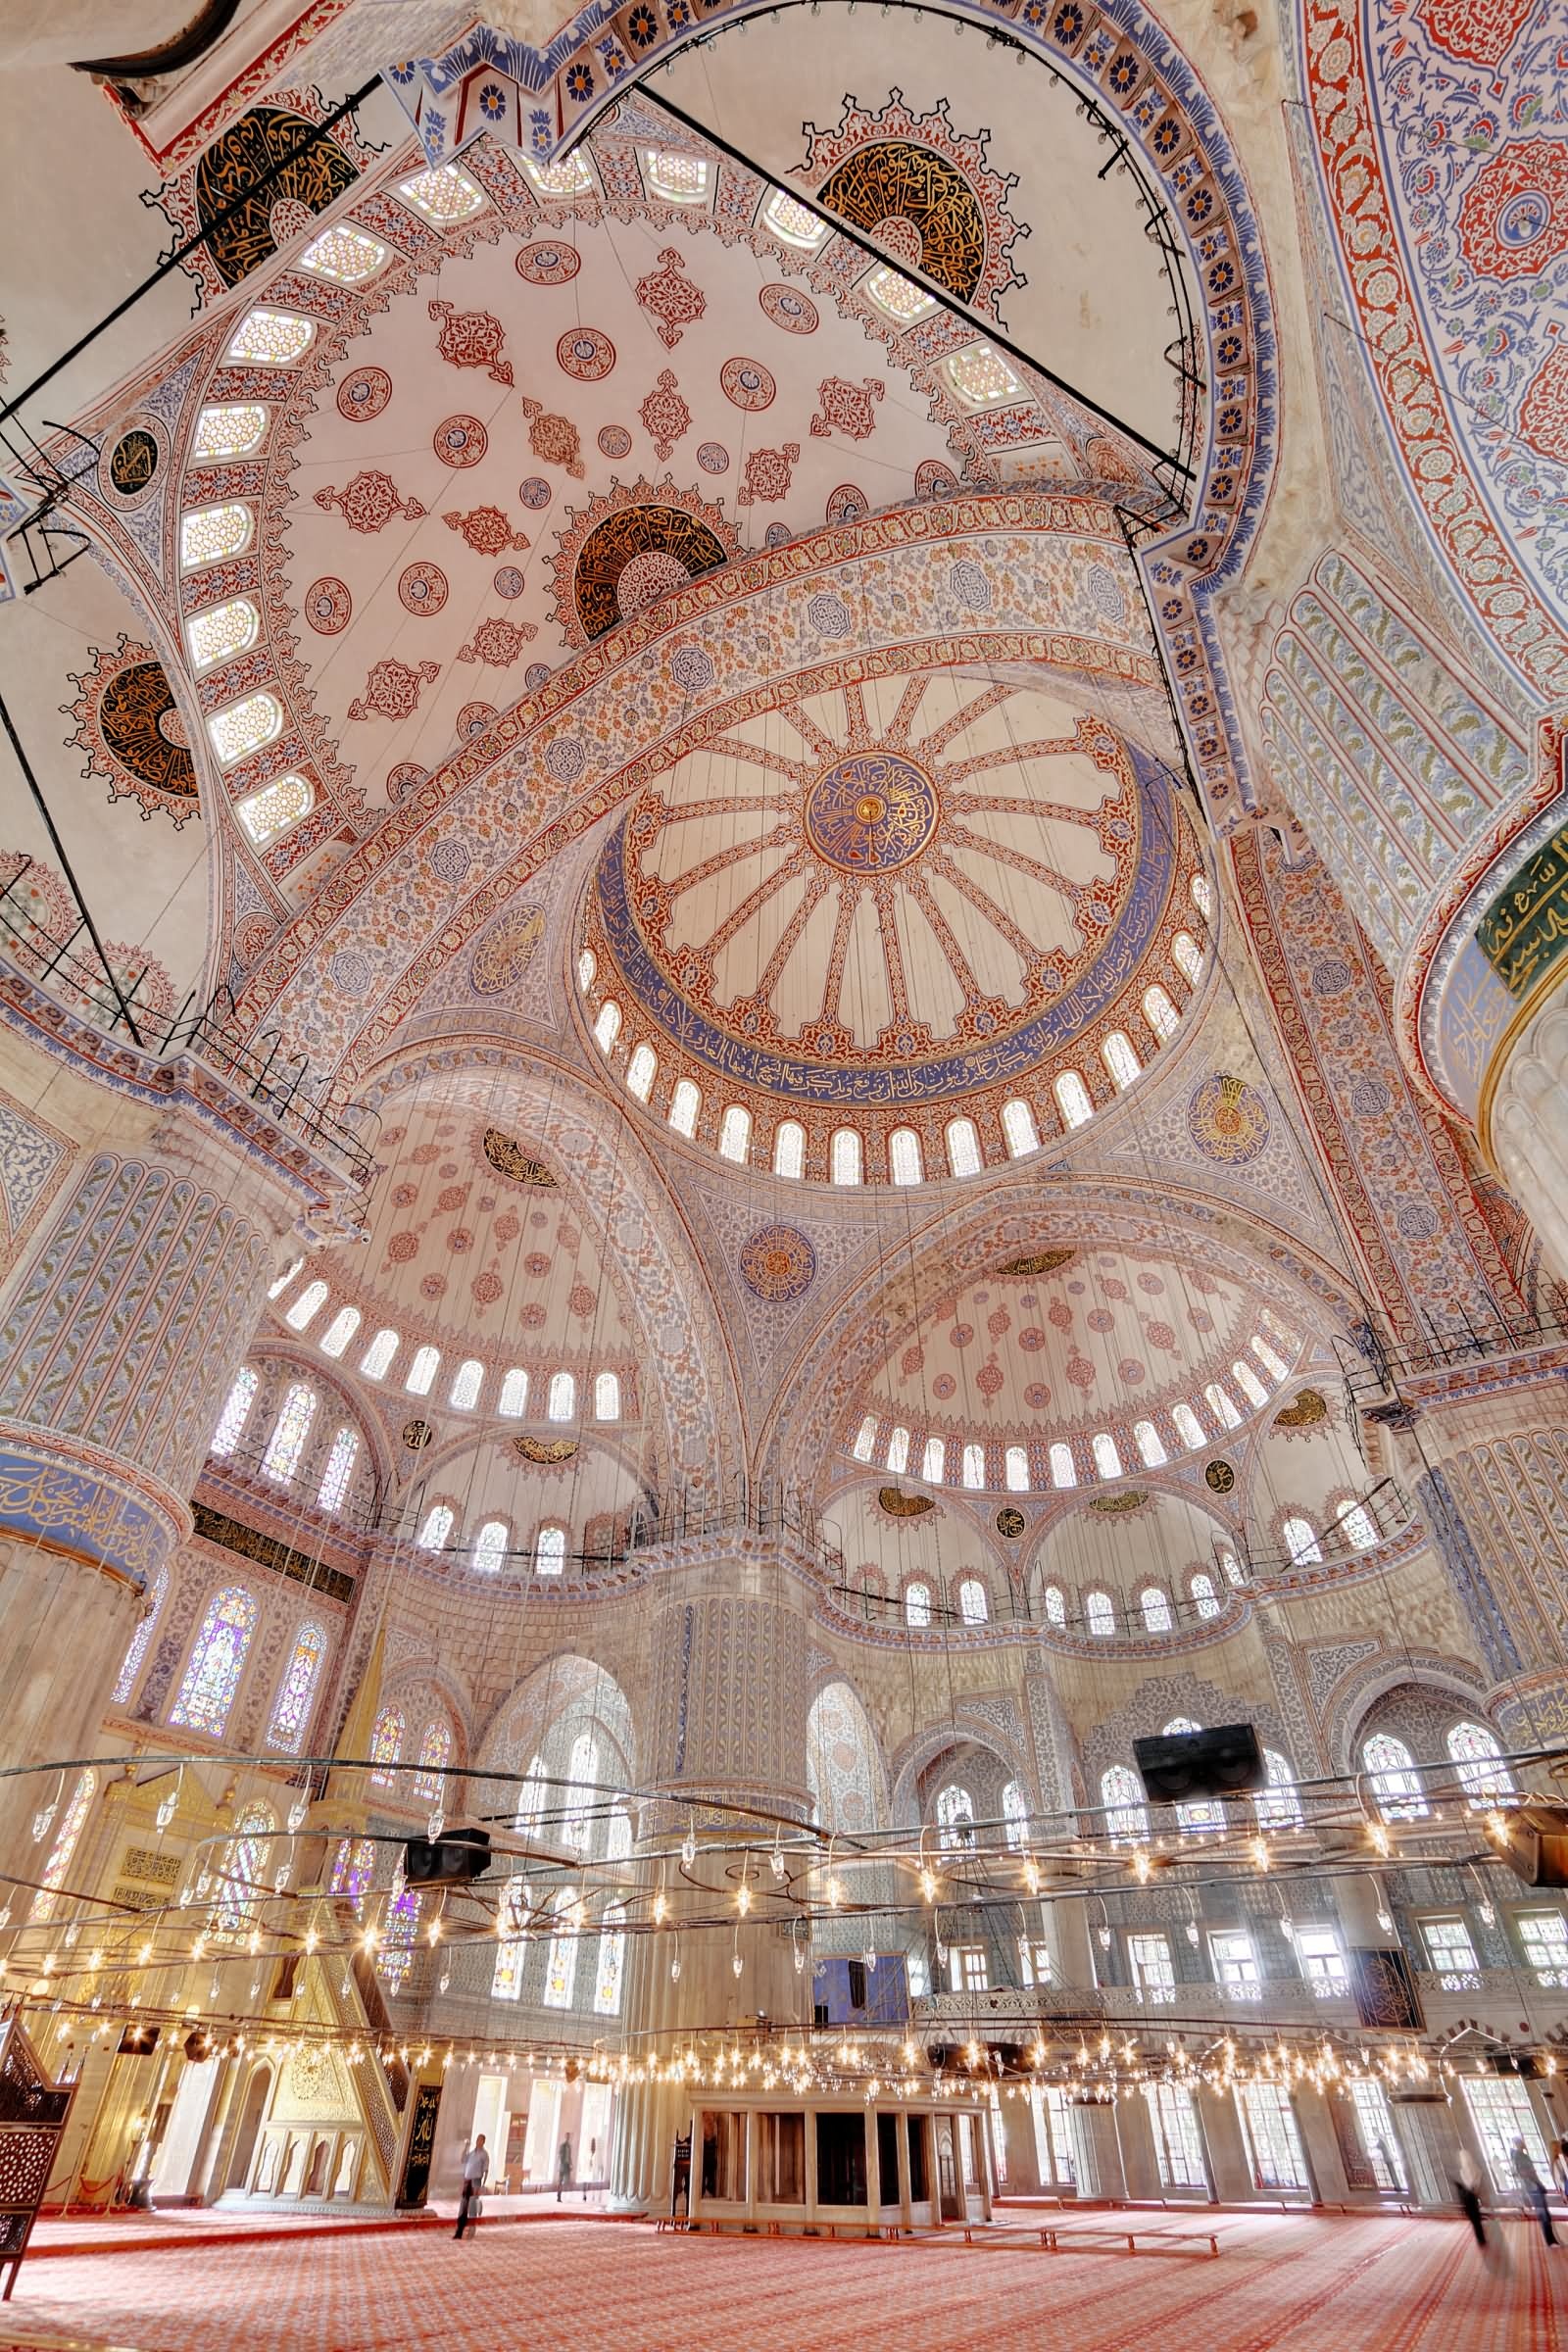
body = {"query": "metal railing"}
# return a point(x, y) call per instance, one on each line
point(1371, 1368)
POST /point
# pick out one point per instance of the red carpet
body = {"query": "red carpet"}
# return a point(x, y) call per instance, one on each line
point(1281, 2285)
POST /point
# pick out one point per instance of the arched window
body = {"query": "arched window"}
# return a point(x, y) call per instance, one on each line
point(1098, 1614)
point(734, 1139)
point(211, 1677)
point(1267, 1357)
point(511, 1949)
point(684, 1104)
point(607, 1026)
point(1063, 1470)
point(955, 1816)
point(1072, 1099)
point(53, 1875)
point(306, 1306)
point(1016, 1814)
point(1278, 1808)
point(561, 1964)
point(974, 1464)
point(618, 1844)
point(1396, 1782)
point(399, 1929)
point(270, 339)
point(1155, 1608)
point(606, 1396)
point(1232, 1567)
point(376, 1361)
point(963, 1147)
point(345, 254)
point(904, 1162)
point(612, 1961)
point(1301, 1543)
point(1018, 1130)
point(230, 432)
point(1161, 1014)
point(212, 533)
point(1015, 1469)
point(386, 1747)
point(789, 1148)
point(490, 1547)
point(563, 1397)
point(267, 813)
point(640, 1071)
point(422, 1371)
point(289, 1433)
point(437, 1527)
point(675, 178)
point(973, 1607)
point(1188, 1425)
point(865, 1439)
point(789, 218)
point(1207, 1601)
point(934, 1461)
point(1056, 1605)
point(1120, 1060)
point(1247, 1382)
point(466, 1382)
point(339, 1470)
point(126, 1682)
point(513, 1395)
point(435, 1752)
point(898, 1450)
point(550, 1551)
point(1198, 1820)
point(242, 1887)
point(1150, 1444)
point(844, 1156)
point(245, 726)
point(1222, 1404)
point(232, 1420)
point(531, 1796)
point(918, 1604)
point(1123, 1800)
point(582, 1788)
point(353, 1868)
point(1204, 897)
point(1187, 957)
point(1108, 1461)
point(1357, 1522)
point(292, 1709)
point(587, 967)
point(338, 1333)
point(1485, 1777)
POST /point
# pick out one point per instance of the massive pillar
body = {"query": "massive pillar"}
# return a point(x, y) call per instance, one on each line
point(145, 1205)
point(729, 1715)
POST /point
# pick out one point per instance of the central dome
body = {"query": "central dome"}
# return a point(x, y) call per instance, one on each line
point(871, 813)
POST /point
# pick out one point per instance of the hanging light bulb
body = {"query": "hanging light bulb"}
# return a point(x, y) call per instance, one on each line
point(1192, 1933)
point(743, 1898)
point(256, 1988)
point(737, 1964)
point(166, 1810)
point(674, 1970)
point(5, 1916)
point(280, 1879)
point(1104, 1939)
point(869, 1957)
point(72, 1935)
point(688, 1845)
point(446, 1979)
point(776, 1861)
point(296, 1816)
point(43, 1821)
point(800, 1959)
point(1485, 1911)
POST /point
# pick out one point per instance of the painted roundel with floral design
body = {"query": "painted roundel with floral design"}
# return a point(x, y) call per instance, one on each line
point(778, 1263)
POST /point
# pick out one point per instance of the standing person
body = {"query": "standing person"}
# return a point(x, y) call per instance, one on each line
point(593, 2167)
point(564, 2167)
point(1532, 2188)
point(475, 2171)
point(1467, 2188)
point(1559, 2165)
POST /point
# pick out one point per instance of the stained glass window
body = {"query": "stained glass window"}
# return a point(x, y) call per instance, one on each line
point(845, 1155)
point(1396, 1782)
point(267, 813)
point(904, 1164)
point(1161, 1014)
point(1018, 1130)
point(435, 1750)
point(684, 1104)
point(563, 1397)
point(232, 1420)
point(1204, 1596)
point(422, 1371)
point(223, 631)
point(211, 1677)
point(612, 1961)
point(157, 1587)
point(789, 1148)
point(467, 1383)
point(338, 1333)
point(550, 1551)
point(974, 1464)
point(917, 1605)
point(1278, 1808)
point(571, 178)
point(955, 1816)
point(1072, 1099)
point(1301, 1543)
point(353, 1868)
point(1150, 1444)
point(963, 1147)
point(1064, 1469)
point(291, 1708)
point(230, 432)
point(276, 1288)
point(607, 1028)
point(735, 1134)
point(345, 254)
point(587, 965)
point(386, 1745)
point(443, 196)
point(865, 1439)
point(582, 1774)
point(1188, 1428)
point(934, 1461)
point(1358, 1524)
point(606, 1396)
point(212, 533)
point(511, 1950)
point(789, 218)
point(898, 1450)
point(1107, 1460)
point(1015, 1469)
point(289, 1433)
point(378, 1358)
point(270, 339)
point(437, 1527)
point(1186, 956)
point(490, 1547)
point(1124, 1800)
point(1485, 1777)
point(531, 1796)
point(397, 1948)
point(1155, 1608)
point(53, 1874)
point(640, 1071)
point(1232, 1567)
point(1056, 1605)
point(560, 1967)
point(1247, 1382)
point(897, 295)
point(1098, 1614)
point(1222, 1404)
point(339, 1470)
point(677, 178)
point(1119, 1059)
point(982, 377)
point(245, 726)
point(1204, 897)
point(973, 1607)
point(306, 1306)
point(513, 1398)
point(242, 1880)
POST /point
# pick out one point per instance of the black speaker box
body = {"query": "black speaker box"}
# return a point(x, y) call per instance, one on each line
point(461, 1856)
point(1537, 1848)
point(1179, 1766)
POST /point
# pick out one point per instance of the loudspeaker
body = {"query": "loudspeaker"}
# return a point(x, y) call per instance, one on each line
point(1514, 2062)
point(135, 2042)
point(1537, 1846)
point(1225, 1761)
point(461, 1856)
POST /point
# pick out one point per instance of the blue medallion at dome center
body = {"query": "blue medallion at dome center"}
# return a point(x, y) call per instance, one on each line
point(871, 813)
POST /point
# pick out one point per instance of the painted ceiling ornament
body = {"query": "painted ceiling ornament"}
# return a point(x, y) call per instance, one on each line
point(548, 262)
point(789, 309)
point(665, 415)
point(624, 551)
point(371, 501)
point(846, 408)
point(129, 726)
point(585, 355)
point(672, 300)
point(1478, 32)
point(1011, 1522)
point(1038, 1261)
point(1112, 1507)
point(747, 384)
point(509, 1158)
point(554, 440)
point(392, 689)
point(899, 1505)
point(1306, 1411)
point(847, 503)
point(1219, 1478)
point(497, 642)
point(487, 530)
point(778, 1263)
point(473, 339)
point(417, 1436)
point(327, 605)
point(924, 191)
point(460, 442)
point(871, 813)
point(545, 1452)
point(1228, 1120)
point(1513, 218)
point(423, 589)
point(364, 394)
point(133, 463)
point(252, 193)
point(767, 475)
point(507, 950)
point(1544, 410)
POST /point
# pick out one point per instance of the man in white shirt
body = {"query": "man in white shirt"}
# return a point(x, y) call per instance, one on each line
point(475, 2169)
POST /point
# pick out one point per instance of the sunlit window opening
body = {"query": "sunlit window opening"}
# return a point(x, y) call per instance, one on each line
point(606, 1396)
point(230, 432)
point(339, 1470)
point(1205, 1596)
point(1107, 1460)
point(338, 1333)
point(422, 1371)
point(305, 1306)
point(789, 1148)
point(267, 813)
point(918, 1604)
point(571, 177)
point(640, 1072)
point(963, 1147)
point(490, 1547)
point(1188, 956)
point(1204, 897)
point(607, 1028)
point(270, 339)
point(1064, 1469)
point(376, 1361)
point(466, 1382)
point(437, 1528)
point(1222, 1404)
point(443, 196)
point(1186, 1425)
point(1098, 1614)
point(898, 1450)
point(550, 1551)
point(1278, 1808)
point(865, 1439)
point(245, 726)
point(1122, 1795)
point(236, 1407)
point(1150, 1444)
point(973, 1607)
point(1073, 1099)
point(1396, 1784)
point(974, 1464)
point(676, 179)
point(1161, 1014)
point(514, 1401)
point(289, 1433)
point(587, 967)
point(1018, 1130)
point(1301, 1543)
point(1056, 1605)
point(684, 1104)
point(1119, 1059)
point(1156, 1610)
point(221, 632)
point(899, 296)
point(1486, 1778)
point(1247, 1382)
point(562, 1403)
point(345, 254)
point(1268, 1358)
point(934, 1461)
point(213, 534)
point(844, 1156)
point(982, 377)
point(789, 219)
point(735, 1134)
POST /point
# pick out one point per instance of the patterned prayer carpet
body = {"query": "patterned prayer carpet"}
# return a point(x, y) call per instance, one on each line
point(1283, 2284)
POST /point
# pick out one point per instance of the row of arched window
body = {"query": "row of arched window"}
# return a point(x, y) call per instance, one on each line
point(205, 1697)
point(1397, 1783)
point(1277, 1806)
point(1100, 1614)
point(493, 1546)
point(286, 1441)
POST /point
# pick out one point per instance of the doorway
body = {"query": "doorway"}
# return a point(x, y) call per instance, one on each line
point(258, 2091)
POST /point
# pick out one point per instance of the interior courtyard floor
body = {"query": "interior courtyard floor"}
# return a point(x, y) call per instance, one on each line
point(1292, 2283)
